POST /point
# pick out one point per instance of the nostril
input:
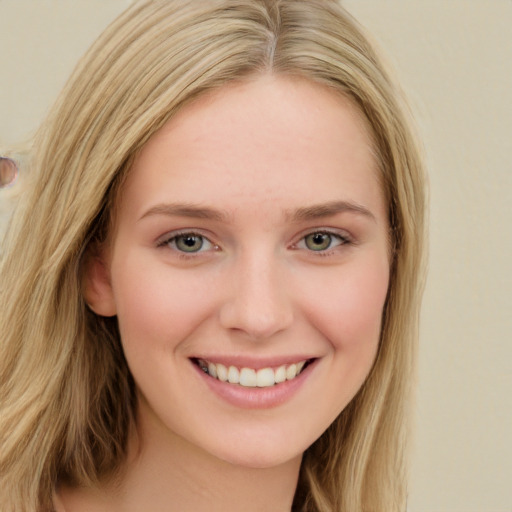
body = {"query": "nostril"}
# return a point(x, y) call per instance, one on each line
point(256, 304)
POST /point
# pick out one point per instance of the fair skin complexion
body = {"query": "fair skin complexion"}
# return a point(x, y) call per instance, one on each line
point(252, 233)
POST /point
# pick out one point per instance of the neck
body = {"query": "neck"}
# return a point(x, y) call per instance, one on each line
point(166, 473)
point(192, 480)
point(187, 480)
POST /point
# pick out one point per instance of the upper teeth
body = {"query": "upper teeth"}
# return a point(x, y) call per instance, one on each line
point(250, 378)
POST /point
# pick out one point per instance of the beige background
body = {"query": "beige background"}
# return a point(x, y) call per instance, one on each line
point(454, 58)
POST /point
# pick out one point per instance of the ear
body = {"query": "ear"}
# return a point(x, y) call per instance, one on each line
point(96, 284)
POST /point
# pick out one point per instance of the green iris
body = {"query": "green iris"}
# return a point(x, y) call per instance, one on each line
point(189, 242)
point(318, 241)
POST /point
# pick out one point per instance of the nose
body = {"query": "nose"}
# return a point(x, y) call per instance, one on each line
point(258, 305)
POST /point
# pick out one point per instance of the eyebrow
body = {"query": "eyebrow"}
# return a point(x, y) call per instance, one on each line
point(306, 213)
point(186, 210)
point(329, 209)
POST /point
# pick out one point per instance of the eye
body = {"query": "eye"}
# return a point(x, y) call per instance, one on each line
point(189, 243)
point(320, 241)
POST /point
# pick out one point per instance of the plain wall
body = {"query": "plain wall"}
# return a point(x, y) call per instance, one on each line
point(454, 59)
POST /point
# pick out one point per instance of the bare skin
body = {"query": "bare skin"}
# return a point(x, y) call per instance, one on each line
point(190, 481)
point(252, 231)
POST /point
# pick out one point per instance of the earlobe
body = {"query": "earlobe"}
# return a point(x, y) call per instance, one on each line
point(97, 286)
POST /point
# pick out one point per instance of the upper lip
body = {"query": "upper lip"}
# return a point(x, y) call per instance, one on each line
point(241, 361)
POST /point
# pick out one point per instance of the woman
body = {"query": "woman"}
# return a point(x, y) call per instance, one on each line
point(210, 292)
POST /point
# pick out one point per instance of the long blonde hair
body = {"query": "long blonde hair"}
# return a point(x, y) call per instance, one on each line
point(67, 396)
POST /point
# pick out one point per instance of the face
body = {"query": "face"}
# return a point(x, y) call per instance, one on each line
point(248, 269)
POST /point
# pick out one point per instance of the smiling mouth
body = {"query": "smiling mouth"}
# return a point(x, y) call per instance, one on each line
point(251, 378)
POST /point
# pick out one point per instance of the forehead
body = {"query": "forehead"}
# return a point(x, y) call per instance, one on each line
point(271, 139)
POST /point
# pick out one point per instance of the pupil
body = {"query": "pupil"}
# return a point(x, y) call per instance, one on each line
point(189, 243)
point(318, 241)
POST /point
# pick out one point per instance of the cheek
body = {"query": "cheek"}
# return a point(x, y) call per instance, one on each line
point(349, 310)
point(348, 315)
point(157, 307)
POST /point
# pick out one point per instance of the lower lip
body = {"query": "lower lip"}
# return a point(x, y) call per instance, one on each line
point(256, 398)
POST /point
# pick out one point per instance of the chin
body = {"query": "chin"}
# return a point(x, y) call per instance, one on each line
point(262, 460)
point(270, 453)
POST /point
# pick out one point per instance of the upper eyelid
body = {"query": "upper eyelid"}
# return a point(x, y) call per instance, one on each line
point(180, 232)
point(340, 233)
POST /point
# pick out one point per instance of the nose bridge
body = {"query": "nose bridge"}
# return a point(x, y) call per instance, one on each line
point(258, 304)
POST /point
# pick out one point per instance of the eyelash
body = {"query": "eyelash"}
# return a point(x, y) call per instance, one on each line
point(170, 242)
point(343, 239)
